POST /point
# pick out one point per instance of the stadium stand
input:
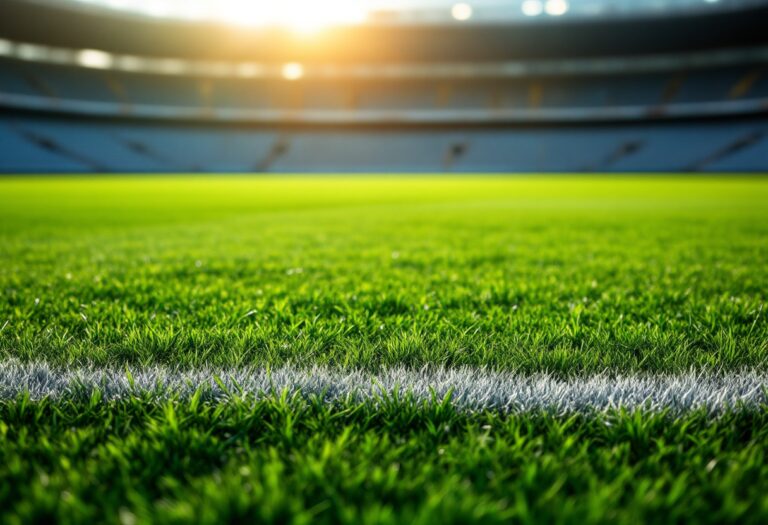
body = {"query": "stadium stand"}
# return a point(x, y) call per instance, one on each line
point(694, 104)
point(100, 145)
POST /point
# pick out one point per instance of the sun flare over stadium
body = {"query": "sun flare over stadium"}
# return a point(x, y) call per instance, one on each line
point(298, 15)
point(301, 15)
point(383, 261)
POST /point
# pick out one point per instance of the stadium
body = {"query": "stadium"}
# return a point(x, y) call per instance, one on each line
point(383, 261)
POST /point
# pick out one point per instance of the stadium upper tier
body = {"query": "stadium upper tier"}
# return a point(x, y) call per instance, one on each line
point(716, 26)
point(92, 83)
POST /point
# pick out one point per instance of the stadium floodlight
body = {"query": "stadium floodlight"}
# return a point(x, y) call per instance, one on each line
point(461, 12)
point(293, 71)
point(94, 58)
point(532, 7)
point(556, 7)
point(31, 52)
point(6, 47)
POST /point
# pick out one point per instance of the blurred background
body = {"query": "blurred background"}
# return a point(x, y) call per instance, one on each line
point(383, 86)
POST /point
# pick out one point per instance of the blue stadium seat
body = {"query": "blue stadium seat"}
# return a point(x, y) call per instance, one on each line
point(20, 155)
point(49, 144)
point(363, 151)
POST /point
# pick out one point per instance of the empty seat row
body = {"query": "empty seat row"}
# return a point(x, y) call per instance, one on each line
point(49, 144)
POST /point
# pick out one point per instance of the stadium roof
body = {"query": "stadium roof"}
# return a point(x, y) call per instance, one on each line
point(314, 14)
point(75, 25)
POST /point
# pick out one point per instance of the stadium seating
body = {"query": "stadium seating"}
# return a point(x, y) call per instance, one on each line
point(54, 83)
point(445, 99)
point(33, 143)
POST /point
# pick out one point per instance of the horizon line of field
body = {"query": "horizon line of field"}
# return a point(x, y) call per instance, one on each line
point(465, 388)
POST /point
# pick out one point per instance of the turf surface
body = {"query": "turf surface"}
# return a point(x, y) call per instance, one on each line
point(561, 274)
point(571, 276)
point(289, 460)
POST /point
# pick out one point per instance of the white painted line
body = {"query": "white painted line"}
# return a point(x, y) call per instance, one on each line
point(472, 389)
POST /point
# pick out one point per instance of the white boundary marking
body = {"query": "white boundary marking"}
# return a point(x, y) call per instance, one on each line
point(470, 388)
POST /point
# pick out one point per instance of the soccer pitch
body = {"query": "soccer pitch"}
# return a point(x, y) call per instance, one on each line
point(384, 349)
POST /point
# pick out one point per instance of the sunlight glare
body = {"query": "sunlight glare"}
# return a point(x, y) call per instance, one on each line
point(304, 16)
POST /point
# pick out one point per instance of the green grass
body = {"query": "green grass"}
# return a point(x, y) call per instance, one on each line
point(562, 274)
point(288, 460)
point(570, 275)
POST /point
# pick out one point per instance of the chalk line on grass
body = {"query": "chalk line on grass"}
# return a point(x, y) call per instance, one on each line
point(470, 388)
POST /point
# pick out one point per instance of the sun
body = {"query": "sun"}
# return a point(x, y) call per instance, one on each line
point(304, 16)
